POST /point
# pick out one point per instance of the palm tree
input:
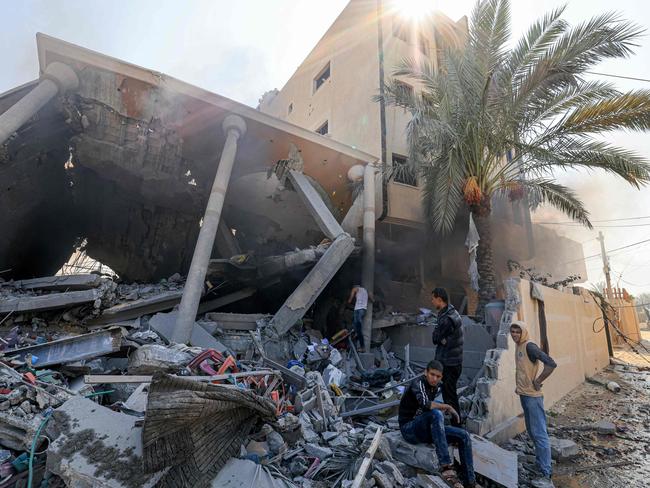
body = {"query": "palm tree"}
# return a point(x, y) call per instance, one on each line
point(495, 121)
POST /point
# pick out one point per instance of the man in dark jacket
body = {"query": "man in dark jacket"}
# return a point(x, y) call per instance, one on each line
point(421, 420)
point(448, 339)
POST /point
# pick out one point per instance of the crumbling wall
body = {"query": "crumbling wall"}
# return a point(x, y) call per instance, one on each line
point(37, 228)
point(579, 349)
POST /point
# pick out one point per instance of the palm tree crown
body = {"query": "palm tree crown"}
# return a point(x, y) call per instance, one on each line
point(494, 121)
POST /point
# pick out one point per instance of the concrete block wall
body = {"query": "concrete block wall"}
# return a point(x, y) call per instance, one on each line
point(578, 350)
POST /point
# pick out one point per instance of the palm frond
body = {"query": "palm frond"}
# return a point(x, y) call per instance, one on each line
point(545, 191)
point(589, 154)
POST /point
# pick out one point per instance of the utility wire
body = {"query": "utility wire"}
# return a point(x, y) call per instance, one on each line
point(598, 221)
point(618, 76)
point(609, 252)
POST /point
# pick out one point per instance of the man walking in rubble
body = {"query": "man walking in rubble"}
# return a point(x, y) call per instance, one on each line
point(448, 338)
point(360, 295)
point(529, 389)
point(421, 420)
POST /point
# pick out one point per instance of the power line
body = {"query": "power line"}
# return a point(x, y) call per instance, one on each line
point(578, 224)
point(618, 76)
point(610, 251)
point(598, 221)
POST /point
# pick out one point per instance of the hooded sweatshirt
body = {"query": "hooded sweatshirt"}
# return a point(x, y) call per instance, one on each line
point(527, 357)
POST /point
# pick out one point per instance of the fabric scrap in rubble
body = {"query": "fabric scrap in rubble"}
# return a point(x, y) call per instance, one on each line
point(471, 242)
point(194, 428)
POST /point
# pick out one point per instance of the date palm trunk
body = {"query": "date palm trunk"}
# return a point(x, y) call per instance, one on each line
point(484, 262)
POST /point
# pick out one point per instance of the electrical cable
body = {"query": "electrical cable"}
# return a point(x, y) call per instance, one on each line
point(598, 221)
point(609, 252)
point(618, 76)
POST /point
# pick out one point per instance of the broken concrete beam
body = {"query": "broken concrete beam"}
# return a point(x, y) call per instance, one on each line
point(70, 349)
point(48, 302)
point(236, 321)
point(165, 323)
point(209, 305)
point(493, 462)
point(60, 283)
point(137, 308)
point(312, 200)
point(295, 307)
point(96, 446)
point(18, 432)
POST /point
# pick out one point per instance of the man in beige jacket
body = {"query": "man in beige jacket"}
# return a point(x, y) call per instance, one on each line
point(528, 355)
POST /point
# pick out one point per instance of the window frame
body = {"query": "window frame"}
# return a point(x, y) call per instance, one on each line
point(315, 81)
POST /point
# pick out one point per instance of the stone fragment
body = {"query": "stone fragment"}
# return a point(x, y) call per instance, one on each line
point(392, 471)
point(419, 456)
point(605, 427)
point(329, 435)
point(563, 449)
point(306, 429)
point(151, 358)
point(381, 480)
point(26, 407)
point(340, 441)
point(318, 451)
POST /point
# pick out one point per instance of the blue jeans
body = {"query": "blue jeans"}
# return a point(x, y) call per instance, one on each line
point(357, 321)
point(535, 418)
point(429, 428)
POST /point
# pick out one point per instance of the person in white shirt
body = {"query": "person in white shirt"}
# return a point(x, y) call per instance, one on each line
point(360, 307)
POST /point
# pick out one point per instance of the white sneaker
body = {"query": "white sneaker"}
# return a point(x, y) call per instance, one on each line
point(542, 482)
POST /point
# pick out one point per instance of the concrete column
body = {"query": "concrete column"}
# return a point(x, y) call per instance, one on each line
point(368, 270)
point(234, 127)
point(57, 79)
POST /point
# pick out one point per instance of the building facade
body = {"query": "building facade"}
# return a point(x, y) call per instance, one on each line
point(331, 93)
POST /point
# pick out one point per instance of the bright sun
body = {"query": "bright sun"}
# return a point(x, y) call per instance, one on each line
point(415, 9)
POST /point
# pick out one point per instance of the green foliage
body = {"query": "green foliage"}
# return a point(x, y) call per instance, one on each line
point(504, 119)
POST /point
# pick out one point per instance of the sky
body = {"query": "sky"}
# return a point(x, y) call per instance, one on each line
point(242, 49)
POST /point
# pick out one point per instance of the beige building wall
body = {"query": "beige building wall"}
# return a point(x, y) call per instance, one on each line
point(578, 351)
point(344, 101)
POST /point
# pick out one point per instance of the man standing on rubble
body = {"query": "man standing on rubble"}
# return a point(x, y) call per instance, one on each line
point(529, 389)
point(448, 338)
point(360, 309)
point(421, 420)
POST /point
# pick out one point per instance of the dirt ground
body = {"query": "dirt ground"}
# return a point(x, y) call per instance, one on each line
point(629, 410)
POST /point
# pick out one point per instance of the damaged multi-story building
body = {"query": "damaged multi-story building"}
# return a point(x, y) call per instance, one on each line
point(331, 93)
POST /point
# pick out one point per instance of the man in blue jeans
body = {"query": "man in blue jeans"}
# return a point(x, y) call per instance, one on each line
point(528, 355)
point(421, 420)
point(360, 296)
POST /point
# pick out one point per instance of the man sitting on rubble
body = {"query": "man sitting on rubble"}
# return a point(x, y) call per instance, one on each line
point(529, 389)
point(360, 295)
point(421, 420)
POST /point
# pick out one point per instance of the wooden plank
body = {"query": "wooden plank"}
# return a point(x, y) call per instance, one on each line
point(367, 459)
point(48, 302)
point(94, 379)
point(60, 283)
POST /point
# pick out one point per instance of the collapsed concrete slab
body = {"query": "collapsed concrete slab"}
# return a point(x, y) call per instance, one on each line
point(95, 447)
point(60, 283)
point(26, 303)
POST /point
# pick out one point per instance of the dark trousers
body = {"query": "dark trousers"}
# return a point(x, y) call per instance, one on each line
point(357, 321)
point(429, 428)
point(450, 376)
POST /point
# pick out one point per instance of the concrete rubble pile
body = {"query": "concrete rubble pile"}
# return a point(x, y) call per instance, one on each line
point(90, 380)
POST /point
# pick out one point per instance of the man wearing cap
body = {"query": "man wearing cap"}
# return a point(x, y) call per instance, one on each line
point(528, 355)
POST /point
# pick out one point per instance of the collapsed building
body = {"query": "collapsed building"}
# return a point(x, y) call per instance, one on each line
point(245, 233)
